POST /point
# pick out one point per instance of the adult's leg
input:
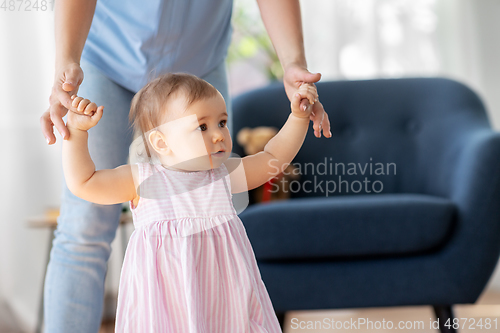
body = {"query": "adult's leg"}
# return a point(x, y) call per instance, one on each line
point(74, 285)
point(218, 78)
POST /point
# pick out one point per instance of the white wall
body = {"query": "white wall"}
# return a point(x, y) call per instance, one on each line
point(487, 35)
point(465, 40)
point(30, 169)
point(475, 46)
point(470, 47)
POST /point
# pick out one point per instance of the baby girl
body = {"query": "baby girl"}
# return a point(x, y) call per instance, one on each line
point(189, 266)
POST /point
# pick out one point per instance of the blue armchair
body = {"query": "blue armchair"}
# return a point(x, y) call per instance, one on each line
point(408, 210)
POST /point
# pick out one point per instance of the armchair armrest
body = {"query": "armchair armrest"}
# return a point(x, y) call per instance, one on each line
point(475, 190)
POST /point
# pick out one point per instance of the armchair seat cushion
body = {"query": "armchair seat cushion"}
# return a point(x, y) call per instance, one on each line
point(349, 226)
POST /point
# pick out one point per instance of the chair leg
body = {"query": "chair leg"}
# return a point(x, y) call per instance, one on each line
point(281, 319)
point(443, 313)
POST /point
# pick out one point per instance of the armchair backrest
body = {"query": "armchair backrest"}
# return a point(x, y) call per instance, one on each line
point(389, 135)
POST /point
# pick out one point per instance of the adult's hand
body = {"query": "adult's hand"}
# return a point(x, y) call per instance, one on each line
point(66, 83)
point(294, 76)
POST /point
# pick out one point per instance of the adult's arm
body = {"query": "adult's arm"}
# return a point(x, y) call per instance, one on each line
point(283, 23)
point(72, 20)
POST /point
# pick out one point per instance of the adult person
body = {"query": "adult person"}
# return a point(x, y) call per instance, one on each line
point(120, 45)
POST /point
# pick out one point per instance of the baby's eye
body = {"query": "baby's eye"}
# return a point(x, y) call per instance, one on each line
point(203, 127)
point(223, 122)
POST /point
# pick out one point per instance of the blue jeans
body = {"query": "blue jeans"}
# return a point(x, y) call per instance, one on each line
point(74, 284)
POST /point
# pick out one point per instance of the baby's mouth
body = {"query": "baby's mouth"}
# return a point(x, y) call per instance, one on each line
point(219, 153)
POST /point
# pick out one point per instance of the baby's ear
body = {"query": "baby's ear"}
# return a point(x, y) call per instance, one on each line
point(243, 136)
point(157, 140)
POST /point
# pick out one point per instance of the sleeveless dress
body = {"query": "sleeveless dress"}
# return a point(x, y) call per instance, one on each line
point(189, 266)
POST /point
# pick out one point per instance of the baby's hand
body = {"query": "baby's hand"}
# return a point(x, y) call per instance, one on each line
point(307, 91)
point(86, 116)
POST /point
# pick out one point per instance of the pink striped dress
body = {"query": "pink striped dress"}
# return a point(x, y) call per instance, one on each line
point(189, 266)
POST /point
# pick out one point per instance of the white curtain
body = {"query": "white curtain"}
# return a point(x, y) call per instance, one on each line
point(361, 39)
point(30, 169)
point(348, 39)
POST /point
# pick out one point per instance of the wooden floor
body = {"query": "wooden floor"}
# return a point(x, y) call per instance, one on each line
point(488, 306)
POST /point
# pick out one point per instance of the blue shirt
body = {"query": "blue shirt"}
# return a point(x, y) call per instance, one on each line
point(133, 41)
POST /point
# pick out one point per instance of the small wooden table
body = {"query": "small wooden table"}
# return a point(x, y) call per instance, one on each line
point(49, 220)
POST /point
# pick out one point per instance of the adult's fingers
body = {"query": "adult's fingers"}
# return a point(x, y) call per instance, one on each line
point(326, 126)
point(68, 87)
point(300, 74)
point(57, 112)
point(47, 127)
point(64, 97)
point(317, 118)
point(307, 76)
point(50, 118)
point(71, 78)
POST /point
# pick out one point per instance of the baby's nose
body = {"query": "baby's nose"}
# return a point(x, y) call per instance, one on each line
point(218, 136)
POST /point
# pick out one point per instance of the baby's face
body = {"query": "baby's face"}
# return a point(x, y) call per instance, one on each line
point(198, 138)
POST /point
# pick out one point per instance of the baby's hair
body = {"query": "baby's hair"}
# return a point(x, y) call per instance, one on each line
point(147, 110)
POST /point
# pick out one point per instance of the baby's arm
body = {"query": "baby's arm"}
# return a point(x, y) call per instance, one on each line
point(280, 150)
point(105, 187)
